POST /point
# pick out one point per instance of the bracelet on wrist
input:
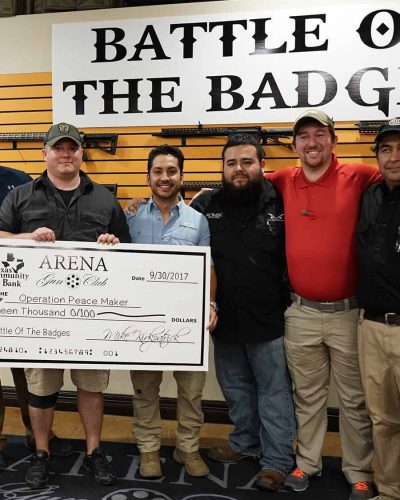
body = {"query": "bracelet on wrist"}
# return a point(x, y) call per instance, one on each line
point(214, 305)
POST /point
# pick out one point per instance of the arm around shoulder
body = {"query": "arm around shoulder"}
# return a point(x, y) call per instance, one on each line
point(366, 175)
point(201, 199)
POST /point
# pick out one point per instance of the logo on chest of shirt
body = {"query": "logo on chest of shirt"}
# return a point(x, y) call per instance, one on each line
point(213, 215)
point(272, 220)
point(187, 224)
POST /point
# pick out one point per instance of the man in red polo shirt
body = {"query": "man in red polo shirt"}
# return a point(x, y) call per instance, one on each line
point(321, 212)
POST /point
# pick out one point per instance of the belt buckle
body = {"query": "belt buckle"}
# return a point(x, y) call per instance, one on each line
point(327, 307)
point(387, 315)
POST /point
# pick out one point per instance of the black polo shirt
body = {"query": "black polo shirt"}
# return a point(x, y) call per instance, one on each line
point(378, 238)
point(247, 246)
point(92, 211)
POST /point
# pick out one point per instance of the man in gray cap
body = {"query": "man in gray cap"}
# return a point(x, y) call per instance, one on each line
point(64, 204)
point(9, 179)
point(321, 200)
point(378, 237)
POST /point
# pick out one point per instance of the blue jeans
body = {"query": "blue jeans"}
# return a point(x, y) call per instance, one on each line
point(257, 388)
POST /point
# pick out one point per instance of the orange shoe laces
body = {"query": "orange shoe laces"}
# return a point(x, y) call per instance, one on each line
point(298, 473)
point(361, 486)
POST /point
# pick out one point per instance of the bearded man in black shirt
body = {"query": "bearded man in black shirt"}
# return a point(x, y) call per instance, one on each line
point(247, 245)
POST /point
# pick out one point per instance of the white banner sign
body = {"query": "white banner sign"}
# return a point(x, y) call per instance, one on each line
point(244, 67)
point(84, 305)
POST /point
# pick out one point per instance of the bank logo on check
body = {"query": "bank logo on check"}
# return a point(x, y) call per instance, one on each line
point(12, 264)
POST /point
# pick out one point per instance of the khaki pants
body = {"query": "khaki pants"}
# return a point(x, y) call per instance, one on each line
point(47, 381)
point(147, 420)
point(380, 369)
point(318, 344)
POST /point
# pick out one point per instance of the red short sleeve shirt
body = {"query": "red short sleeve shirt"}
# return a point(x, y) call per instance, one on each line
point(320, 219)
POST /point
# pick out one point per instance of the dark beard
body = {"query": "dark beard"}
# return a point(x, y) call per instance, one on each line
point(246, 194)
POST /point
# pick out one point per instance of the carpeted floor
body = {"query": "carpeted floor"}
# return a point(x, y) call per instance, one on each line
point(70, 481)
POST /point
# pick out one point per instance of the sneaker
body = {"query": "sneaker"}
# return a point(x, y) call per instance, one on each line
point(57, 446)
point(225, 453)
point(194, 464)
point(150, 465)
point(37, 476)
point(97, 464)
point(298, 480)
point(362, 490)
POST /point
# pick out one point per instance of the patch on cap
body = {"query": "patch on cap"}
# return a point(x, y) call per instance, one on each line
point(392, 125)
point(63, 128)
point(62, 131)
point(394, 121)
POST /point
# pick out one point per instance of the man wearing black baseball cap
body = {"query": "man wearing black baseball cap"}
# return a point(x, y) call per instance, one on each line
point(64, 204)
point(378, 236)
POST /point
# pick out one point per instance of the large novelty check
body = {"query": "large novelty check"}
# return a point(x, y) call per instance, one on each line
point(85, 305)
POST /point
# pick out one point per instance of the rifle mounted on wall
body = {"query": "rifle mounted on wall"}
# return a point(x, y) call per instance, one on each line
point(265, 135)
point(105, 142)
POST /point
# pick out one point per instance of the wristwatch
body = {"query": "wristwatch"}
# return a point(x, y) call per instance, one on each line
point(214, 305)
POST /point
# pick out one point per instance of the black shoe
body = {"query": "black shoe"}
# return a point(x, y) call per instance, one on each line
point(97, 464)
point(37, 476)
point(57, 446)
point(3, 463)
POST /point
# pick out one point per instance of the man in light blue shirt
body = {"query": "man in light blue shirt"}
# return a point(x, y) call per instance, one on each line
point(166, 220)
point(183, 226)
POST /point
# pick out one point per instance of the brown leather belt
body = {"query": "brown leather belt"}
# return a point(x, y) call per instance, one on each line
point(389, 319)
